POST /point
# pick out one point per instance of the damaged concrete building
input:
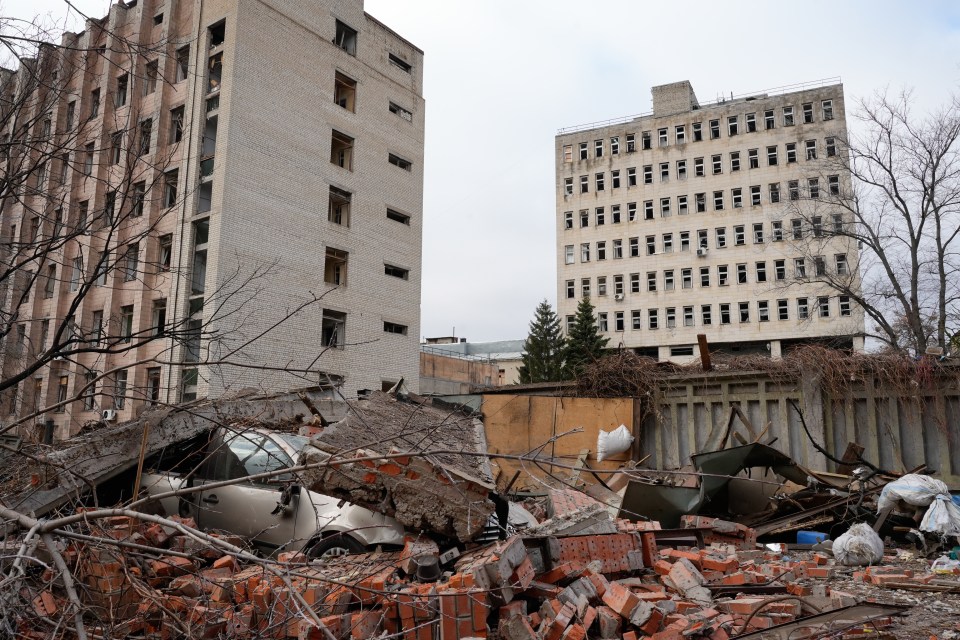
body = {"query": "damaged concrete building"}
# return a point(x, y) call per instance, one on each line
point(704, 197)
point(279, 159)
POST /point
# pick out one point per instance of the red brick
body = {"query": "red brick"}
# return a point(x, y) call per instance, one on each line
point(620, 599)
point(725, 565)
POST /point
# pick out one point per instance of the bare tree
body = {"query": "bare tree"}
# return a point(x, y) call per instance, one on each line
point(901, 207)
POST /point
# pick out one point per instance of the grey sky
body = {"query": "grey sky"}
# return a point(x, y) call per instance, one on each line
point(502, 77)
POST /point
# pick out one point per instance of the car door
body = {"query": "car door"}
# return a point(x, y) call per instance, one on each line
point(246, 507)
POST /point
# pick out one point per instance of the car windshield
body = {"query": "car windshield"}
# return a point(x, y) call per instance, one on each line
point(295, 442)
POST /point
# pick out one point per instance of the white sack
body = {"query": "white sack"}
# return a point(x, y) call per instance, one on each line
point(614, 442)
point(914, 489)
point(859, 546)
point(942, 517)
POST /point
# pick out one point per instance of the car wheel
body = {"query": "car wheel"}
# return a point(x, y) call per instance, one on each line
point(334, 546)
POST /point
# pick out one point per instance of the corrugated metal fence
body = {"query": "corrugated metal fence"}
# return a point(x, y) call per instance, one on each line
point(898, 432)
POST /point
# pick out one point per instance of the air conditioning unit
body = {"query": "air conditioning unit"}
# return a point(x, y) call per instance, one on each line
point(618, 297)
point(109, 415)
point(702, 251)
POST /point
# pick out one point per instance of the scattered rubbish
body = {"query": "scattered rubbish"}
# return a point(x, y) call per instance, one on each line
point(945, 564)
point(942, 515)
point(859, 546)
point(610, 443)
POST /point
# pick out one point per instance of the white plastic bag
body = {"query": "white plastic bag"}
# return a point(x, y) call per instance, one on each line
point(944, 564)
point(859, 546)
point(614, 442)
point(942, 517)
point(914, 489)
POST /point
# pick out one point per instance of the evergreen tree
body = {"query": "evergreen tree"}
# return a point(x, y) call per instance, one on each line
point(543, 349)
point(584, 344)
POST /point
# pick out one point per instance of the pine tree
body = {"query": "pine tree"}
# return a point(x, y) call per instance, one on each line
point(584, 344)
point(543, 349)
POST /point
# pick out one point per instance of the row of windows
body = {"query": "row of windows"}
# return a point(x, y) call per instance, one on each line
point(683, 239)
point(727, 313)
point(750, 123)
point(629, 177)
point(669, 279)
point(796, 190)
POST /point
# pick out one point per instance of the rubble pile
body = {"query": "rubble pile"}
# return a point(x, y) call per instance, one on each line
point(627, 584)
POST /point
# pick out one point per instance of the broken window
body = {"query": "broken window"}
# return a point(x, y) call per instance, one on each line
point(396, 272)
point(662, 137)
point(585, 252)
point(761, 271)
point(733, 125)
point(632, 177)
point(584, 184)
point(739, 235)
point(647, 143)
point(583, 150)
point(615, 213)
point(831, 144)
point(823, 306)
point(170, 179)
point(214, 73)
point(811, 146)
point(176, 124)
point(634, 247)
point(768, 119)
point(651, 242)
point(338, 211)
point(158, 319)
point(400, 162)
point(775, 192)
point(788, 116)
point(183, 63)
point(807, 113)
point(598, 148)
point(126, 323)
point(714, 129)
point(664, 207)
point(698, 167)
point(648, 210)
point(681, 169)
point(668, 243)
point(701, 199)
point(631, 143)
point(332, 328)
point(751, 120)
point(686, 278)
point(827, 106)
point(116, 147)
point(585, 287)
point(602, 321)
point(793, 189)
point(88, 155)
point(718, 200)
point(151, 73)
point(400, 63)
point(601, 217)
point(833, 182)
point(742, 273)
point(682, 205)
point(737, 196)
point(841, 264)
point(571, 289)
point(721, 237)
point(791, 152)
point(800, 267)
point(346, 38)
point(780, 269)
point(146, 131)
point(165, 253)
point(602, 286)
point(755, 195)
point(406, 114)
point(615, 145)
point(758, 233)
point(814, 186)
point(568, 254)
point(567, 151)
point(568, 219)
point(217, 34)
point(653, 319)
point(131, 262)
point(393, 327)
point(844, 305)
point(123, 83)
point(734, 161)
point(335, 267)
point(763, 311)
point(601, 250)
point(153, 385)
point(744, 308)
point(671, 317)
point(697, 128)
point(680, 133)
point(772, 156)
point(599, 181)
point(568, 186)
point(341, 150)
point(803, 311)
point(651, 281)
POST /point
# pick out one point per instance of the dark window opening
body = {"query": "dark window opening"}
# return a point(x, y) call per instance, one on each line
point(400, 63)
point(346, 38)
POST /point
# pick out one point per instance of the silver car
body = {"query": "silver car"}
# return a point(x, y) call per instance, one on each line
point(276, 514)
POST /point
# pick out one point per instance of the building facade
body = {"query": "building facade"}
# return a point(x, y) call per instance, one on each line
point(708, 219)
point(258, 166)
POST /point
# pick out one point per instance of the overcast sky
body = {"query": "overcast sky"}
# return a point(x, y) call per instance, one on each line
point(501, 78)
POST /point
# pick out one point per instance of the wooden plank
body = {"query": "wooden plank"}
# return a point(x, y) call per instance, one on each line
point(851, 457)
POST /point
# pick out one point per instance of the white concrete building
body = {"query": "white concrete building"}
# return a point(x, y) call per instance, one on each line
point(292, 139)
point(687, 221)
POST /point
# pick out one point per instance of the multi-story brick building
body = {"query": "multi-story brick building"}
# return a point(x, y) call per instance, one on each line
point(694, 219)
point(279, 158)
